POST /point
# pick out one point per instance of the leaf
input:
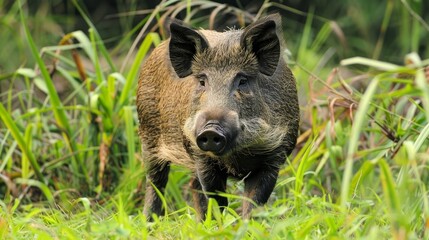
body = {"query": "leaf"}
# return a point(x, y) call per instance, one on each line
point(26, 72)
point(41, 84)
point(370, 63)
point(85, 43)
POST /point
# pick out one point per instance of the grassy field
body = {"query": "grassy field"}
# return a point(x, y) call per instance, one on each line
point(70, 164)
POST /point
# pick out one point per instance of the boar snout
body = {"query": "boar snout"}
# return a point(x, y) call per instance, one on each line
point(212, 138)
point(215, 131)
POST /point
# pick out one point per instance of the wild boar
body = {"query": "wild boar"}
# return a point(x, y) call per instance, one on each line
point(222, 104)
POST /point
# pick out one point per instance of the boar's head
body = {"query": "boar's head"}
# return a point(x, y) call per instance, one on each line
point(228, 109)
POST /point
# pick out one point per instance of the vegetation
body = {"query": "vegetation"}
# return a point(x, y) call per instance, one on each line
point(70, 164)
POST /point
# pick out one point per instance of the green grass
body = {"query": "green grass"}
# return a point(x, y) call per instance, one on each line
point(70, 163)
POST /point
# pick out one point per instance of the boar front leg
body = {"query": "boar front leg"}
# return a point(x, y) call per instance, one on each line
point(258, 186)
point(156, 177)
point(211, 180)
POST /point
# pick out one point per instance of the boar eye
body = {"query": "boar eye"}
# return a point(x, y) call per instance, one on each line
point(243, 81)
point(202, 78)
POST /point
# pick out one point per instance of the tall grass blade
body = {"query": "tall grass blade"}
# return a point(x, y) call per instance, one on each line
point(7, 157)
point(389, 187)
point(99, 77)
point(370, 63)
point(85, 43)
point(303, 166)
point(103, 49)
point(366, 168)
point(79, 88)
point(25, 166)
point(305, 39)
point(10, 124)
point(358, 124)
point(423, 137)
point(209, 215)
point(87, 206)
point(130, 133)
point(151, 38)
point(384, 25)
point(58, 109)
point(422, 84)
point(43, 187)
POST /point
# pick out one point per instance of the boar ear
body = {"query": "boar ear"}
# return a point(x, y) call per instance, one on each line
point(262, 39)
point(184, 44)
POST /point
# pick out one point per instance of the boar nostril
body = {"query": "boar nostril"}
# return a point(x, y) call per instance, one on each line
point(204, 139)
point(211, 140)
